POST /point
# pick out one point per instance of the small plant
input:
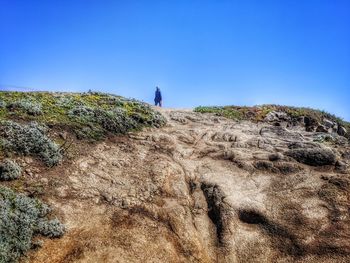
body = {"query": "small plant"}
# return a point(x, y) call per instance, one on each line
point(9, 170)
point(30, 107)
point(82, 113)
point(231, 112)
point(116, 120)
point(51, 228)
point(2, 104)
point(21, 218)
point(64, 101)
point(29, 139)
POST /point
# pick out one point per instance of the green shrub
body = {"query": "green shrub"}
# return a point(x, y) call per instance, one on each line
point(116, 120)
point(21, 219)
point(2, 104)
point(94, 112)
point(51, 228)
point(227, 111)
point(64, 101)
point(82, 113)
point(29, 139)
point(143, 114)
point(29, 106)
point(9, 170)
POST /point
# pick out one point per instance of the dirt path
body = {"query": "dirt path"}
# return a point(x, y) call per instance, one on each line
point(201, 189)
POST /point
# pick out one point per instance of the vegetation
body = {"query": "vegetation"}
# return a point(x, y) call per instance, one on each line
point(29, 139)
point(2, 104)
point(21, 218)
point(26, 105)
point(9, 170)
point(90, 115)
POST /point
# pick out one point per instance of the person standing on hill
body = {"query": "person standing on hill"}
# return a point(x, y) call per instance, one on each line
point(158, 98)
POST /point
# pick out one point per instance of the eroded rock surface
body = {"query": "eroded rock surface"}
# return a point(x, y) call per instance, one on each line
point(203, 189)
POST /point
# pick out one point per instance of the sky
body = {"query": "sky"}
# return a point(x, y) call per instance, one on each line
point(237, 52)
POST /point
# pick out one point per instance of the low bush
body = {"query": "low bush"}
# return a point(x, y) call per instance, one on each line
point(145, 115)
point(3, 104)
point(29, 139)
point(9, 170)
point(21, 218)
point(90, 115)
point(116, 120)
point(51, 228)
point(82, 113)
point(29, 106)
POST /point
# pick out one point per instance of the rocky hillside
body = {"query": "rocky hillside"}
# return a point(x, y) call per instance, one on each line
point(126, 184)
point(39, 131)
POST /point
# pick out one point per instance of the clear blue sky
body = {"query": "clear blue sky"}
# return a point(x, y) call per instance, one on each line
point(294, 52)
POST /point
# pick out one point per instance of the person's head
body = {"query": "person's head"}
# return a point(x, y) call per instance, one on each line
point(157, 88)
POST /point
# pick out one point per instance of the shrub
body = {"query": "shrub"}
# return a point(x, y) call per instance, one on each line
point(30, 107)
point(95, 112)
point(143, 114)
point(51, 228)
point(9, 170)
point(29, 140)
point(82, 113)
point(2, 104)
point(21, 218)
point(116, 120)
point(64, 101)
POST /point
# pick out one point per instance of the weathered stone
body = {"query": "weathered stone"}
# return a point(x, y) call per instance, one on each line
point(63, 135)
point(321, 128)
point(346, 155)
point(310, 123)
point(275, 157)
point(340, 166)
point(342, 131)
point(277, 116)
point(313, 156)
point(327, 123)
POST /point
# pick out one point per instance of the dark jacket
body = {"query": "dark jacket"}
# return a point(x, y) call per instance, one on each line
point(158, 96)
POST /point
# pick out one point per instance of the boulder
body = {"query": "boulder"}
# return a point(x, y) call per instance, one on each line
point(328, 124)
point(342, 131)
point(346, 155)
point(310, 124)
point(279, 132)
point(273, 157)
point(321, 128)
point(340, 166)
point(277, 116)
point(313, 156)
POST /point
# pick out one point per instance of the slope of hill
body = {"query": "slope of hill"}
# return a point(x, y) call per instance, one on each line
point(197, 187)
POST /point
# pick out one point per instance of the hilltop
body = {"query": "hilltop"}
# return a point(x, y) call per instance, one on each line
point(127, 182)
